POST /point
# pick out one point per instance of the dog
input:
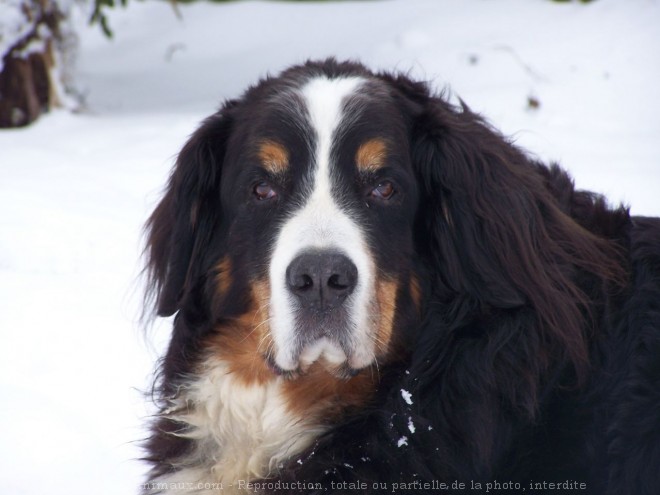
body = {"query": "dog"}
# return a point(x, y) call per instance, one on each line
point(374, 290)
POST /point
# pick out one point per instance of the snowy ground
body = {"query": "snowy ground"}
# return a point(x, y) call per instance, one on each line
point(76, 189)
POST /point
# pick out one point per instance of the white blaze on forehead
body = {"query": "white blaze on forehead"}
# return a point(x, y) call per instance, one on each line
point(321, 223)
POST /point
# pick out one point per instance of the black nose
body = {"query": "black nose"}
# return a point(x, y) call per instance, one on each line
point(321, 279)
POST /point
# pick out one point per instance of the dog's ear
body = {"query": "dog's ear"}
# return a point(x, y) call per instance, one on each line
point(480, 207)
point(182, 224)
point(493, 230)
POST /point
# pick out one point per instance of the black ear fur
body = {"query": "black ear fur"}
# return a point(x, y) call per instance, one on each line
point(495, 234)
point(482, 204)
point(182, 223)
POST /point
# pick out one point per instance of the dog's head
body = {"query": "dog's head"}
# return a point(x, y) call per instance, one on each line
point(314, 215)
point(296, 205)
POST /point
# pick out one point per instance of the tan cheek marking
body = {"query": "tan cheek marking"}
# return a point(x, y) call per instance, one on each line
point(242, 342)
point(273, 156)
point(416, 294)
point(386, 291)
point(223, 278)
point(371, 155)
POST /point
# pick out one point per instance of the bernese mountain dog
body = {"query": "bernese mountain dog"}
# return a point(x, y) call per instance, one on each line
point(374, 291)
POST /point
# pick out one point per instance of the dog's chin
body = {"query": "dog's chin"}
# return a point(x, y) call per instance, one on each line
point(322, 354)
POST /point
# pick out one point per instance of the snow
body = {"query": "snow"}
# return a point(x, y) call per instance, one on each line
point(411, 425)
point(402, 441)
point(75, 189)
point(407, 396)
point(15, 25)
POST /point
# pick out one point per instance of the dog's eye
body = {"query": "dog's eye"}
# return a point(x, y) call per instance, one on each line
point(384, 190)
point(263, 191)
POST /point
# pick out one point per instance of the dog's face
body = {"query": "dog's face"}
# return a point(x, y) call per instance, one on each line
point(303, 230)
point(321, 192)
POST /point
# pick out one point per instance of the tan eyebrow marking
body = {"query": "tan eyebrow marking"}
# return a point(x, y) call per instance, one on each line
point(273, 156)
point(371, 155)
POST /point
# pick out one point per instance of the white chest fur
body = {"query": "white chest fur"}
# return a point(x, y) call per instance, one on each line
point(242, 433)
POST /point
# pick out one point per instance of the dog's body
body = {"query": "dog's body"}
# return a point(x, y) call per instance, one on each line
point(371, 286)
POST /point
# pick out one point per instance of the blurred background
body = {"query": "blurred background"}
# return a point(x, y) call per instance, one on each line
point(93, 114)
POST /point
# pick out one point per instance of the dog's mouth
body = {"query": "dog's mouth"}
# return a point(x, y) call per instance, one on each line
point(324, 352)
